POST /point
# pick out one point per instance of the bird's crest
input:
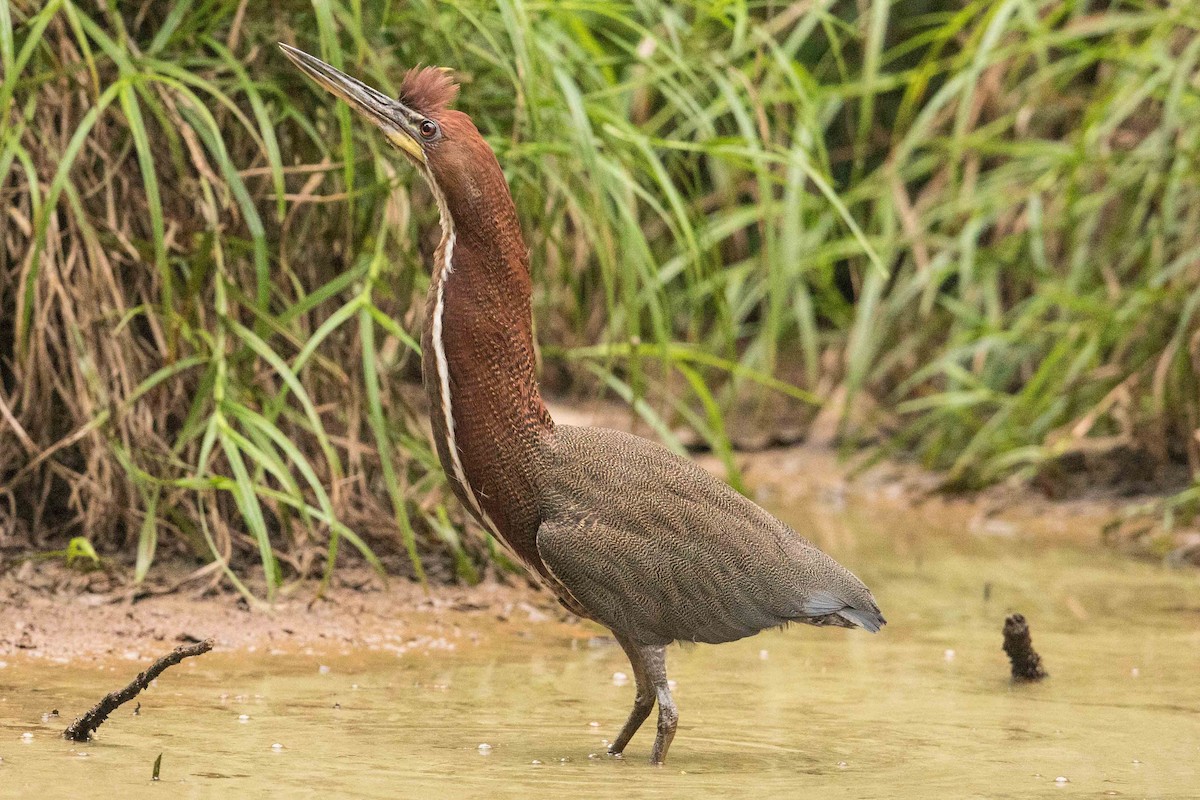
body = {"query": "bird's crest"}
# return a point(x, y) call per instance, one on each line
point(427, 90)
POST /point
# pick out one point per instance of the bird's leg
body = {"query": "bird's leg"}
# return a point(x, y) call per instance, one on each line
point(655, 660)
point(642, 702)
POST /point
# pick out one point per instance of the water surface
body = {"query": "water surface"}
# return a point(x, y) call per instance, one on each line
point(924, 709)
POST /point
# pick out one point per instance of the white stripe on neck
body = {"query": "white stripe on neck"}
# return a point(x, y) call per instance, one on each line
point(439, 355)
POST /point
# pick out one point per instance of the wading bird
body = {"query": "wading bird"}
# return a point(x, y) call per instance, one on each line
point(621, 530)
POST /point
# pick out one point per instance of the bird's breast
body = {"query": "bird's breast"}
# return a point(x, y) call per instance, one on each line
point(489, 423)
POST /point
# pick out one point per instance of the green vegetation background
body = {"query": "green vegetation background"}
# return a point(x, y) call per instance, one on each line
point(979, 221)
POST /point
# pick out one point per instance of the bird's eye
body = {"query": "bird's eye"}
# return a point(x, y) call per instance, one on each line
point(429, 129)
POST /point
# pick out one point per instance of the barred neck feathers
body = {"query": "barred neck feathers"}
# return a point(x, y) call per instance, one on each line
point(487, 414)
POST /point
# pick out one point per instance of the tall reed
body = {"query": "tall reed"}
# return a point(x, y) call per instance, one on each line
point(981, 216)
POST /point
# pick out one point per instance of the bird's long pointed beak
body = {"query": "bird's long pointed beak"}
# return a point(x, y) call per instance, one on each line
point(397, 121)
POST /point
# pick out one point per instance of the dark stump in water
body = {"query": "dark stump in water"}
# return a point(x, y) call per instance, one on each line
point(1026, 663)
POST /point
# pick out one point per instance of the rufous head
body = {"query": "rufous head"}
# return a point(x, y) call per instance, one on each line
point(413, 122)
point(440, 141)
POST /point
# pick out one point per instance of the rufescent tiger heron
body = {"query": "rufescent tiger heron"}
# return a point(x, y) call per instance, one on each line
point(621, 530)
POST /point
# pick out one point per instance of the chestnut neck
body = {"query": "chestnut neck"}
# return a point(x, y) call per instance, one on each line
point(488, 417)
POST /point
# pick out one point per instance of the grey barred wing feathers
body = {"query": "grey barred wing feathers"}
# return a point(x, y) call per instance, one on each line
point(628, 587)
point(658, 550)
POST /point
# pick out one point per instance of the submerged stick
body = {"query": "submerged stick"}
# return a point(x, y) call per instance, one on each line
point(1018, 645)
point(81, 729)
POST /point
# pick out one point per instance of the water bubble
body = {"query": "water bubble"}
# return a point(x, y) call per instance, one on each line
point(1135, 672)
point(620, 679)
point(672, 685)
point(243, 717)
point(485, 748)
point(1062, 780)
point(566, 760)
point(26, 737)
point(593, 756)
point(536, 762)
point(3, 664)
point(277, 747)
point(763, 655)
point(1137, 762)
point(842, 765)
point(323, 670)
point(948, 655)
point(593, 724)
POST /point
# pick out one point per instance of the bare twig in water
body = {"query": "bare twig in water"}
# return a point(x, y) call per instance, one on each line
point(1026, 663)
point(81, 729)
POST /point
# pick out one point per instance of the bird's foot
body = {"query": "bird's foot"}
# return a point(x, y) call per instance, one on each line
point(668, 721)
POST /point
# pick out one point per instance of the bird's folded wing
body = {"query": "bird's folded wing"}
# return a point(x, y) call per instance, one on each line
point(659, 550)
point(655, 589)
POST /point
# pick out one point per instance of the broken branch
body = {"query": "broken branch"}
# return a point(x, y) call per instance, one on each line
point(81, 729)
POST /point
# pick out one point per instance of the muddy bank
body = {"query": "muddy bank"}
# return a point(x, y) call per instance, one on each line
point(49, 616)
point(814, 472)
point(50, 611)
point(1087, 503)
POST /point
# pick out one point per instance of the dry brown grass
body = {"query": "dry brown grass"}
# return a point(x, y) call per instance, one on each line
point(208, 278)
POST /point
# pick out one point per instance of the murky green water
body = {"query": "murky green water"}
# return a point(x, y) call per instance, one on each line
point(922, 710)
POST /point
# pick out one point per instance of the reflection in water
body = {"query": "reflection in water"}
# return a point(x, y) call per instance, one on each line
point(923, 709)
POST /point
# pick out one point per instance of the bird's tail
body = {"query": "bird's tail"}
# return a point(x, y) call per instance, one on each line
point(844, 600)
point(871, 619)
